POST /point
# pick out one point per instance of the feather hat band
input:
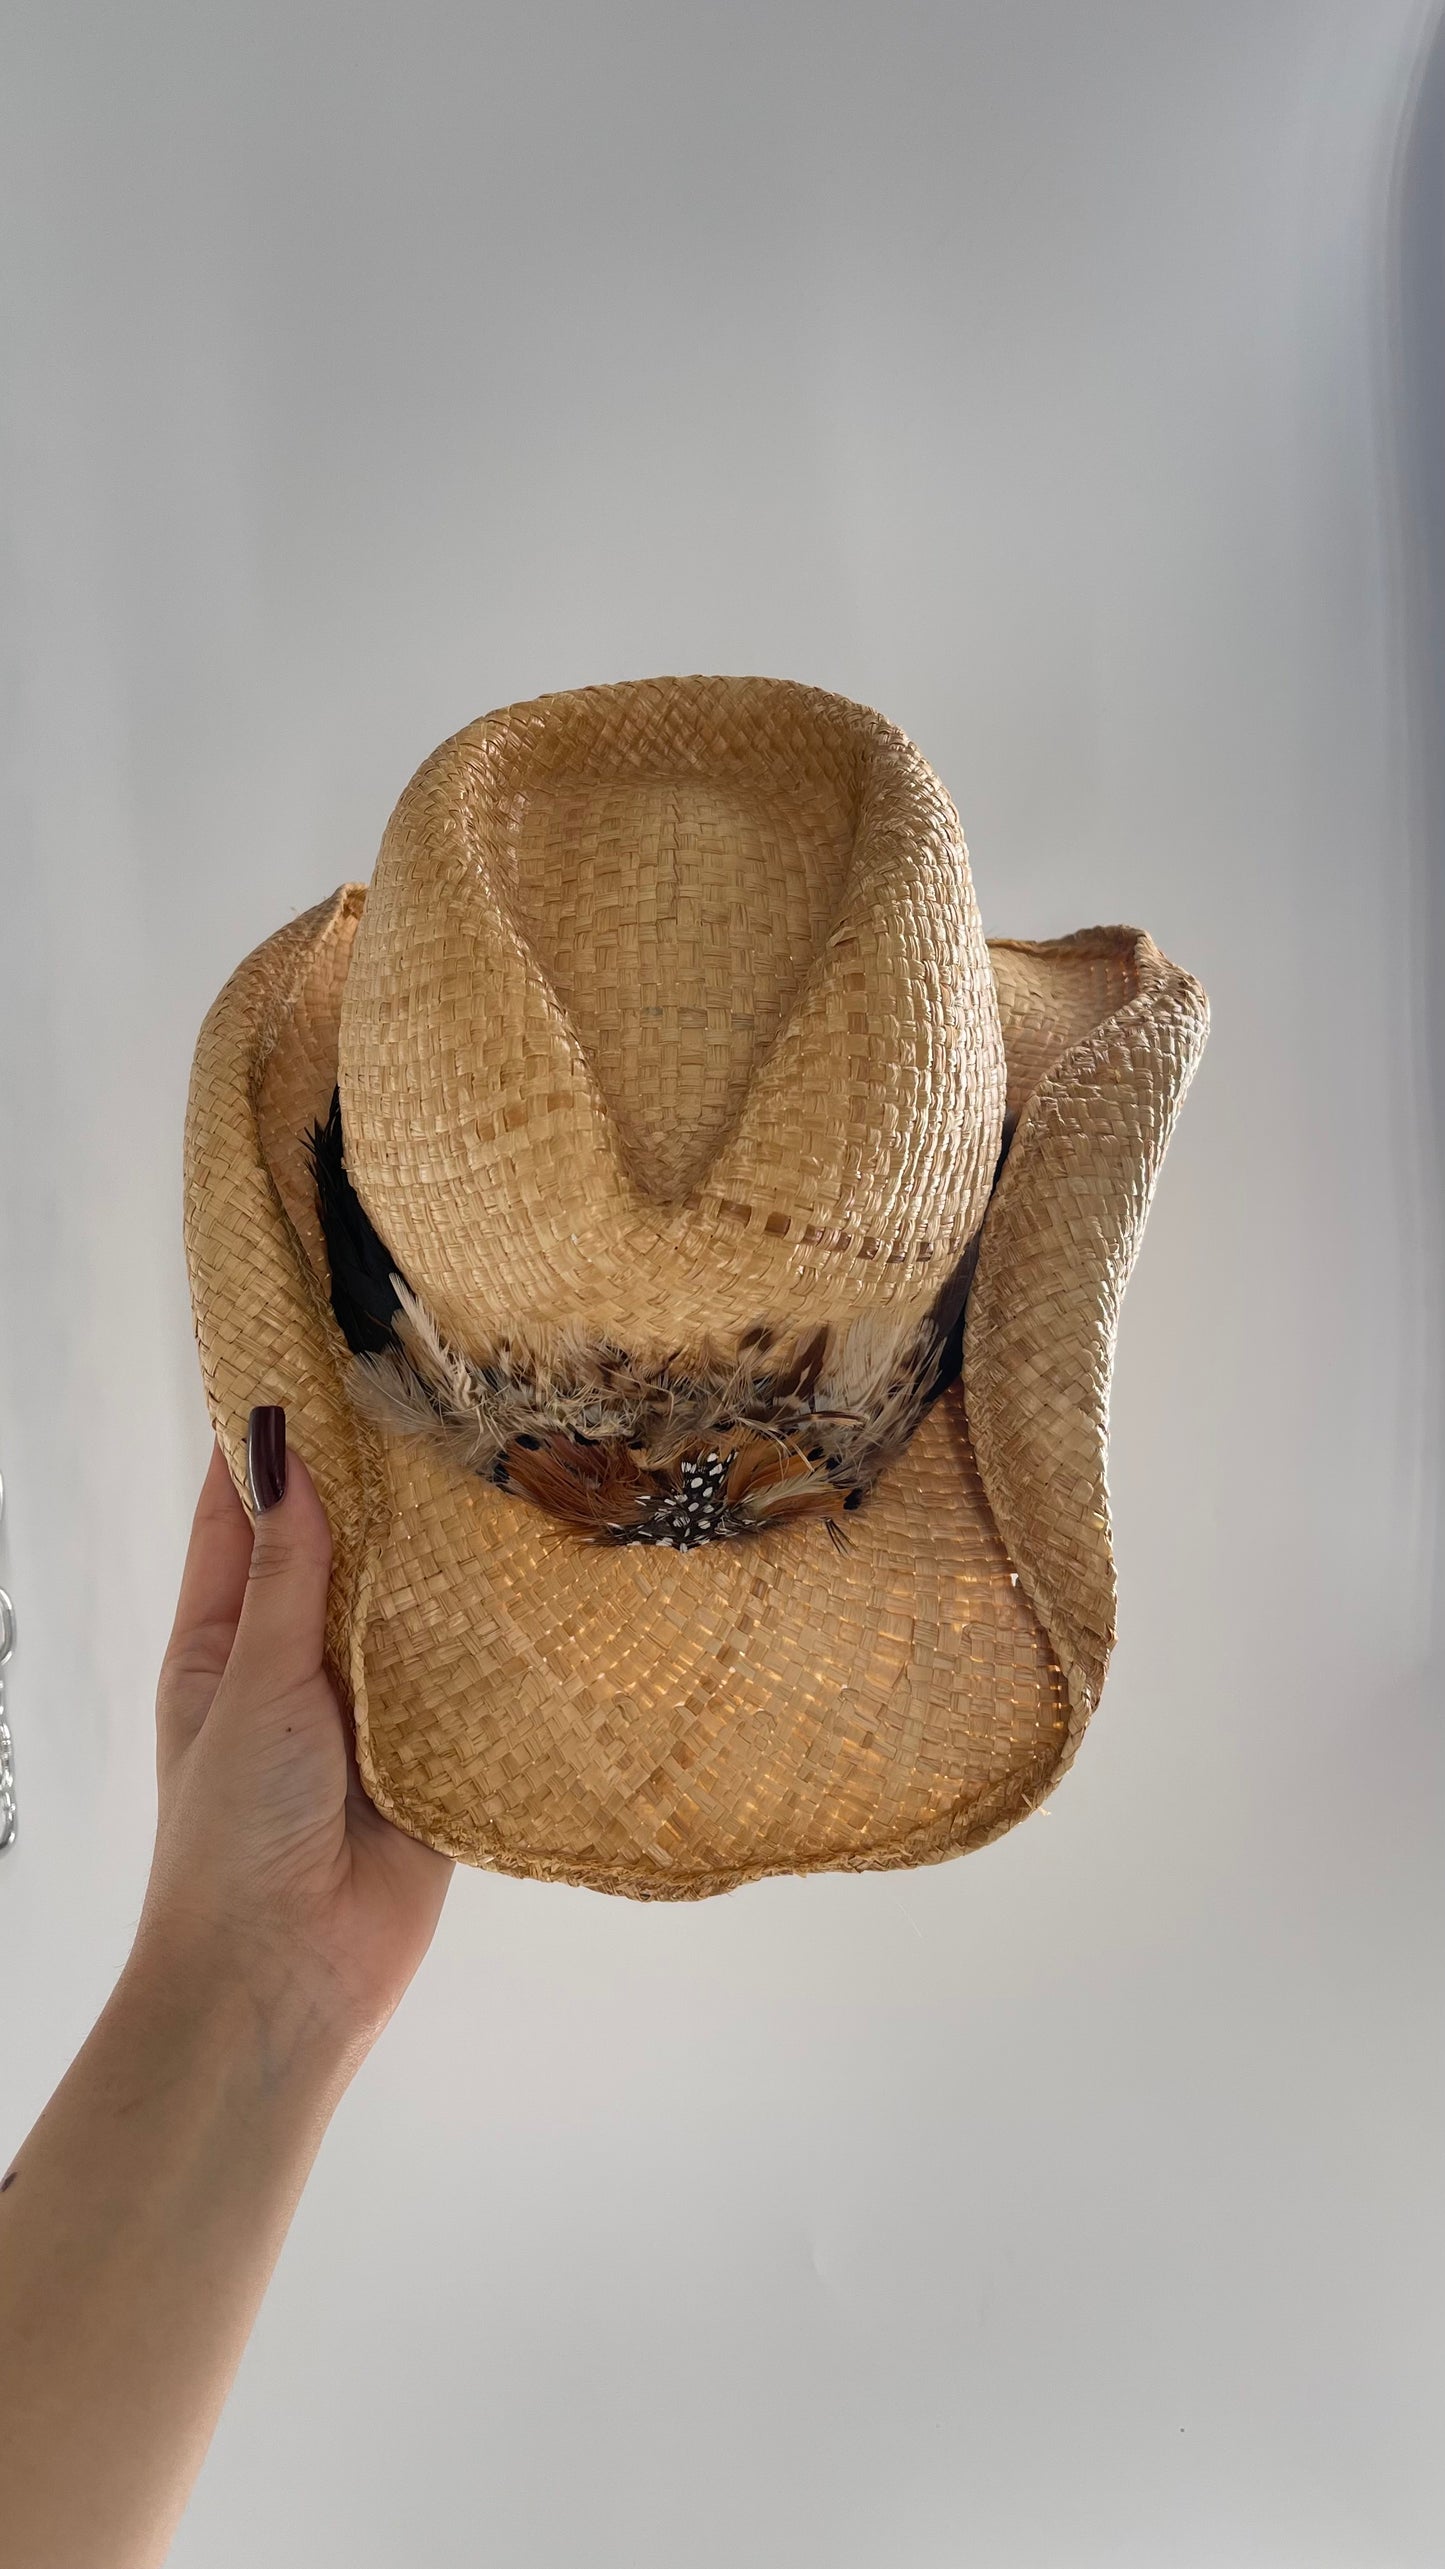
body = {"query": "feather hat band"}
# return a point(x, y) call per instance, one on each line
point(690, 1258)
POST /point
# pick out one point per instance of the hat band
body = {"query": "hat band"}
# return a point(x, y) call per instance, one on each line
point(692, 1446)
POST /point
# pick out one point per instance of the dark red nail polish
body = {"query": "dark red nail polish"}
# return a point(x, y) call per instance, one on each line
point(266, 1458)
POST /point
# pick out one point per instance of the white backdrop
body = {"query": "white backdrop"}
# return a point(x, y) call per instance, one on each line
point(1063, 379)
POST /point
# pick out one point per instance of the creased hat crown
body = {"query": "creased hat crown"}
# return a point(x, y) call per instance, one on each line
point(707, 1084)
point(667, 1017)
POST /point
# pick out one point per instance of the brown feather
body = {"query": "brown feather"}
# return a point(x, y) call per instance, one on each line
point(590, 1486)
point(678, 1447)
point(796, 1381)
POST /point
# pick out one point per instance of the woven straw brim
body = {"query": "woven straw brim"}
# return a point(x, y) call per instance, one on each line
point(671, 1724)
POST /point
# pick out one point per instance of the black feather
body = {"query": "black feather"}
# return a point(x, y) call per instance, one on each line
point(951, 1309)
point(363, 1294)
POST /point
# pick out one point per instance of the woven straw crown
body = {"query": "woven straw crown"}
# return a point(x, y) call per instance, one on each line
point(668, 1016)
point(632, 1041)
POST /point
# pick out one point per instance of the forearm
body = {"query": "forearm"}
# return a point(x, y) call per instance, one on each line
point(138, 2229)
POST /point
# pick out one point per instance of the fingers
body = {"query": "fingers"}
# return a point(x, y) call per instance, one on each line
point(281, 1633)
point(213, 1584)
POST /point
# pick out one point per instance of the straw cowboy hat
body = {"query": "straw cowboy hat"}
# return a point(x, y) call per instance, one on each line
point(689, 1258)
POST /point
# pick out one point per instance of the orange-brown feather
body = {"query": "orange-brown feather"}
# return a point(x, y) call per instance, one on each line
point(606, 1489)
point(592, 1486)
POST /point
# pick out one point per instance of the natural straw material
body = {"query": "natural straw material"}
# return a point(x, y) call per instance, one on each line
point(668, 1012)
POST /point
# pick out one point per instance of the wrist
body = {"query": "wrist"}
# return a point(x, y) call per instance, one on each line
point(241, 2006)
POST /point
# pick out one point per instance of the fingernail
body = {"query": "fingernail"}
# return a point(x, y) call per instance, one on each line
point(266, 1457)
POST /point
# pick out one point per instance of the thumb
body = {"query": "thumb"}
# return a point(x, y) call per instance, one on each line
point(281, 1632)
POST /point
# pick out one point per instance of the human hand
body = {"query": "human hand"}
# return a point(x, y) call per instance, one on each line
point(283, 1919)
point(270, 1862)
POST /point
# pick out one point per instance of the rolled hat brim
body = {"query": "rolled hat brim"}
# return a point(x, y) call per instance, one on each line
point(669, 1725)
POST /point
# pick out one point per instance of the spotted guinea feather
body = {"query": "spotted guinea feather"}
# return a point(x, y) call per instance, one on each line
point(665, 1445)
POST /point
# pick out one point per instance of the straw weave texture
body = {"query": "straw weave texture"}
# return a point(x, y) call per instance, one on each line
point(669, 1008)
point(676, 998)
